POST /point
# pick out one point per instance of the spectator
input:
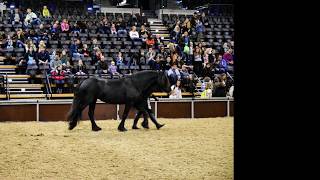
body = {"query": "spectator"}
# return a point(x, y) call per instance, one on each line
point(230, 92)
point(20, 38)
point(143, 33)
point(31, 18)
point(65, 61)
point(119, 60)
point(58, 75)
point(95, 45)
point(55, 63)
point(65, 26)
point(85, 51)
point(220, 88)
point(9, 43)
point(189, 57)
point(174, 74)
point(76, 28)
point(222, 66)
point(80, 68)
point(97, 56)
point(32, 64)
point(102, 66)
point(199, 29)
point(163, 52)
point(42, 44)
point(113, 69)
point(16, 17)
point(46, 12)
point(30, 45)
point(193, 20)
point(228, 56)
point(133, 33)
point(121, 26)
point(104, 27)
point(175, 33)
point(179, 62)
point(185, 75)
point(74, 48)
point(113, 29)
point(42, 33)
point(197, 61)
point(43, 56)
point(150, 55)
point(207, 71)
point(186, 26)
point(176, 91)
point(207, 93)
point(150, 41)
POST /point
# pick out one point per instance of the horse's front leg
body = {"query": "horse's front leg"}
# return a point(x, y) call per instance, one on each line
point(124, 117)
point(94, 126)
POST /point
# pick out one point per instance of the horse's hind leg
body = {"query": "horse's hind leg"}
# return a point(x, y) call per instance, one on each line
point(92, 107)
point(124, 116)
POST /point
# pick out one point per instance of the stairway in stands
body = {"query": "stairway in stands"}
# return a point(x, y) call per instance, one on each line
point(18, 86)
point(157, 28)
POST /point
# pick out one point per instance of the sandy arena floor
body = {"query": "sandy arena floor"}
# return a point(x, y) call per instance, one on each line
point(182, 149)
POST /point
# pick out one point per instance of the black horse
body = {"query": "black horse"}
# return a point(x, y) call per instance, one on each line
point(131, 91)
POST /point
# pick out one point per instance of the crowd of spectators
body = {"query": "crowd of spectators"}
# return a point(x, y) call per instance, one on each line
point(182, 58)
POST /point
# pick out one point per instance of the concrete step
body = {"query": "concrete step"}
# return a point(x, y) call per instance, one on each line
point(26, 92)
point(26, 85)
point(27, 96)
point(18, 82)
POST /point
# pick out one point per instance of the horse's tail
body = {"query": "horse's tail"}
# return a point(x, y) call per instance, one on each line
point(75, 112)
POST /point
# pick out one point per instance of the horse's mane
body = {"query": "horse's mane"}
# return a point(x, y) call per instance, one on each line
point(140, 78)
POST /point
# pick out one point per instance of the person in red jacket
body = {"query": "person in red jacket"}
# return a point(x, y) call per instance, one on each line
point(58, 76)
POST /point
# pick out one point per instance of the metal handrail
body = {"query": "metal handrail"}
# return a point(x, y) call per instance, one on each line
point(7, 87)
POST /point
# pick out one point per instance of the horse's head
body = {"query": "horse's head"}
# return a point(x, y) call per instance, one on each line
point(163, 82)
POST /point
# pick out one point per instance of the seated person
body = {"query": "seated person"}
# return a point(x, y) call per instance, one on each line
point(143, 33)
point(43, 56)
point(32, 64)
point(113, 29)
point(46, 12)
point(55, 63)
point(65, 26)
point(174, 74)
point(134, 33)
point(102, 66)
point(31, 18)
point(58, 75)
point(176, 91)
point(65, 60)
point(150, 55)
point(85, 51)
point(119, 60)
point(113, 69)
point(220, 86)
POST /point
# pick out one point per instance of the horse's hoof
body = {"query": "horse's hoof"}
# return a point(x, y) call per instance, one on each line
point(160, 126)
point(96, 128)
point(146, 126)
point(135, 127)
point(72, 125)
point(123, 129)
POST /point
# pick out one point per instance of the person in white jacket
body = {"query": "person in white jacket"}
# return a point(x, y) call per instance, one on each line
point(176, 91)
point(134, 33)
point(31, 18)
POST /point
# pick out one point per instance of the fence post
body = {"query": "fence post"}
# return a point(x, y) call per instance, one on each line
point(38, 111)
point(192, 109)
